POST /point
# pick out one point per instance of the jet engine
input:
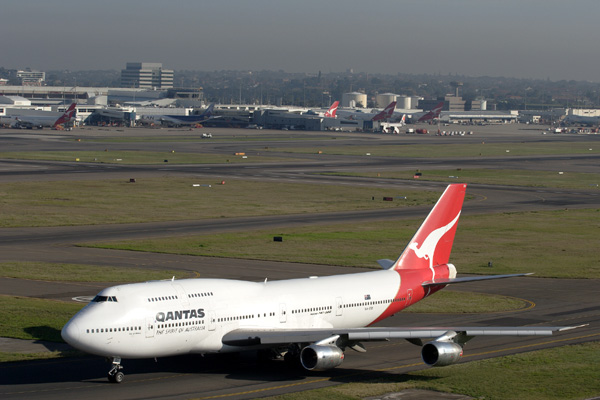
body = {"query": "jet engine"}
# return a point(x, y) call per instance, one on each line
point(438, 354)
point(319, 358)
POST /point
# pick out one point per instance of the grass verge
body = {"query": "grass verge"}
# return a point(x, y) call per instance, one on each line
point(558, 244)
point(35, 319)
point(443, 149)
point(84, 273)
point(12, 357)
point(140, 157)
point(458, 302)
point(172, 199)
point(554, 179)
point(569, 372)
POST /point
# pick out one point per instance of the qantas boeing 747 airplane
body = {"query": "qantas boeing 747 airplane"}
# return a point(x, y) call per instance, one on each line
point(311, 321)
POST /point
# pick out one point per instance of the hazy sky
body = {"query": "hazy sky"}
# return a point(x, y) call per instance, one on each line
point(513, 38)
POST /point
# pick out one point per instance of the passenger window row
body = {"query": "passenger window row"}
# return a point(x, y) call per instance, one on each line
point(243, 317)
point(107, 330)
point(371, 303)
point(178, 324)
point(200, 294)
point(162, 298)
point(313, 309)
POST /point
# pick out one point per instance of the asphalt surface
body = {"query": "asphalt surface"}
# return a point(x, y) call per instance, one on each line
point(546, 301)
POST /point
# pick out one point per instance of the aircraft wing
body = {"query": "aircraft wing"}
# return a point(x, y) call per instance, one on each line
point(250, 337)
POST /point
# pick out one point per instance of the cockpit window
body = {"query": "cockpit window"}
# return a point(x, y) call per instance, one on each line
point(102, 299)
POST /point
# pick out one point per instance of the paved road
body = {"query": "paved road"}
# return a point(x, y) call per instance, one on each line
point(546, 301)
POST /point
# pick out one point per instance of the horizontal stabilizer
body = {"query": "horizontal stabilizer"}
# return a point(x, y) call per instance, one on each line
point(385, 263)
point(439, 282)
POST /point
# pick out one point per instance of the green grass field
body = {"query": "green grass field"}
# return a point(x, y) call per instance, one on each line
point(442, 149)
point(84, 273)
point(35, 319)
point(562, 373)
point(559, 244)
point(170, 199)
point(141, 157)
point(554, 179)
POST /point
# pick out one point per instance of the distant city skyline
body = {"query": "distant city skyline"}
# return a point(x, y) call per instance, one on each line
point(541, 39)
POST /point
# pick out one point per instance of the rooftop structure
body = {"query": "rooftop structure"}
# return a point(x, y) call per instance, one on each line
point(31, 78)
point(146, 76)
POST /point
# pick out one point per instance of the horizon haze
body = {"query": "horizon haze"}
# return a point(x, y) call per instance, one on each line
point(538, 39)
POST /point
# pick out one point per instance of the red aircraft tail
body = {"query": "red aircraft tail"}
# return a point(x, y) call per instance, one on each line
point(433, 114)
point(386, 113)
point(67, 116)
point(332, 110)
point(432, 243)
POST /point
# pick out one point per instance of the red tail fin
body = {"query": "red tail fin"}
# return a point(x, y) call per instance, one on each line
point(433, 114)
point(432, 243)
point(332, 110)
point(67, 116)
point(385, 114)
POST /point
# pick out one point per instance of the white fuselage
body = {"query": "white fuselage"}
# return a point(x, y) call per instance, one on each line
point(163, 318)
point(43, 120)
point(356, 115)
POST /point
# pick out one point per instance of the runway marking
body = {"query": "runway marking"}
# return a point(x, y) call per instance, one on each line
point(83, 299)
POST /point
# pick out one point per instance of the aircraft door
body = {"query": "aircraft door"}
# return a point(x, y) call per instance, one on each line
point(338, 306)
point(211, 321)
point(409, 294)
point(282, 313)
point(181, 294)
point(150, 327)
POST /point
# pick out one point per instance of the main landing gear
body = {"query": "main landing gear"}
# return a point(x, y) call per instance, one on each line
point(115, 375)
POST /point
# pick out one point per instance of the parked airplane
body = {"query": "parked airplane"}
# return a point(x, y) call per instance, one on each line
point(582, 120)
point(41, 119)
point(433, 114)
point(380, 116)
point(311, 321)
point(330, 113)
point(179, 120)
point(332, 110)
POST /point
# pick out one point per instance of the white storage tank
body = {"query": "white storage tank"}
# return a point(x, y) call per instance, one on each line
point(404, 102)
point(414, 101)
point(354, 99)
point(383, 100)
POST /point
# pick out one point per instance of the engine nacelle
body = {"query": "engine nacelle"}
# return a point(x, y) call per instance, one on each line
point(319, 358)
point(439, 354)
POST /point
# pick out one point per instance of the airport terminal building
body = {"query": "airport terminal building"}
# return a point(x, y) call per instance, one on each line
point(146, 76)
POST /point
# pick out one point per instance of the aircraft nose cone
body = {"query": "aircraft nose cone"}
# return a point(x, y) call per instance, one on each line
point(70, 333)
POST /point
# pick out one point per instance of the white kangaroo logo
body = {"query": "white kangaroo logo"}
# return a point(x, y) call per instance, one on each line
point(428, 246)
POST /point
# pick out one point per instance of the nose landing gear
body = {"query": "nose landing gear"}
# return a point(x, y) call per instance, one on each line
point(115, 375)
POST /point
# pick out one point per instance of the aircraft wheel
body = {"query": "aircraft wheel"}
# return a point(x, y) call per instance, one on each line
point(116, 377)
point(119, 376)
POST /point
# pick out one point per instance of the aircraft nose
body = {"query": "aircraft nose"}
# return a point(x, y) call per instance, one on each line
point(70, 333)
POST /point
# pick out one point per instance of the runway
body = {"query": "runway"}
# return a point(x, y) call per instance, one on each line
point(550, 301)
